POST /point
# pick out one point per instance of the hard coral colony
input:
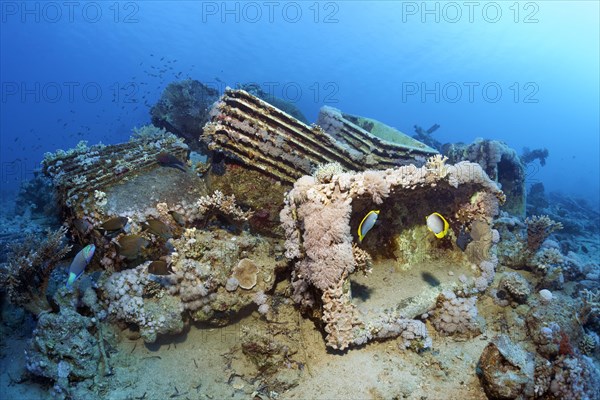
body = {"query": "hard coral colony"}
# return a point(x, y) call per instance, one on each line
point(167, 251)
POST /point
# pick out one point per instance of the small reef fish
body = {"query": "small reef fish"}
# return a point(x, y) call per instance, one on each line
point(180, 219)
point(463, 239)
point(366, 224)
point(159, 267)
point(169, 160)
point(114, 224)
point(82, 226)
point(81, 260)
point(130, 246)
point(437, 224)
point(158, 228)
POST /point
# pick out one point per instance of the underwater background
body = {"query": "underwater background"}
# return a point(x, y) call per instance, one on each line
point(92, 72)
point(300, 199)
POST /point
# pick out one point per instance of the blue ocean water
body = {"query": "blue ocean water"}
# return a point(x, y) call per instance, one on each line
point(526, 73)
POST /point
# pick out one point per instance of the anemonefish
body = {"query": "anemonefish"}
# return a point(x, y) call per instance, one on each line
point(366, 224)
point(437, 224)
point(81, 260)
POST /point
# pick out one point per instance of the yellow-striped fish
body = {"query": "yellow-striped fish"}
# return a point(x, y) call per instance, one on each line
point(437, 224)
point(367, 223)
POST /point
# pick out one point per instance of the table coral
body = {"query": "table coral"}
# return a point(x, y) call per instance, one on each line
point(245, 273)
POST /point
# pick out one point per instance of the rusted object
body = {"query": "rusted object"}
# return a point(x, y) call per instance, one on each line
point(258, 135)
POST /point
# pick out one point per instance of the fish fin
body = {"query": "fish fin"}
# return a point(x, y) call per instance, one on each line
point(71, 279)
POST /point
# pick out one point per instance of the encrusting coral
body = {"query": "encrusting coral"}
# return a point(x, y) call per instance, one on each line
point(525, 244)
point(225, 205)
point(456, 315)
point(318, 217)
point(28, 270)
point(203, 285)
point(245, 273)
point(81, 175)
point(501, 163)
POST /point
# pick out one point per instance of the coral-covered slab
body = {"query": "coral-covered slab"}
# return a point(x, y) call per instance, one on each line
point(82, 175)
point(406, 266)
point(251, 131)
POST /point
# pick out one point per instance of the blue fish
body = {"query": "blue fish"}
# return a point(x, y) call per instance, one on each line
point(81, 260)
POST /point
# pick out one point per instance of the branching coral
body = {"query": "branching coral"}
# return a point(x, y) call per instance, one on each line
point(364, 261)
point(30, 263)
point(324, 172)
point(147, 132)
point(220, 203)
point(539, 227)
point(437, 164)
point(591, 305)
point(375, 184)
point(217, 204)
